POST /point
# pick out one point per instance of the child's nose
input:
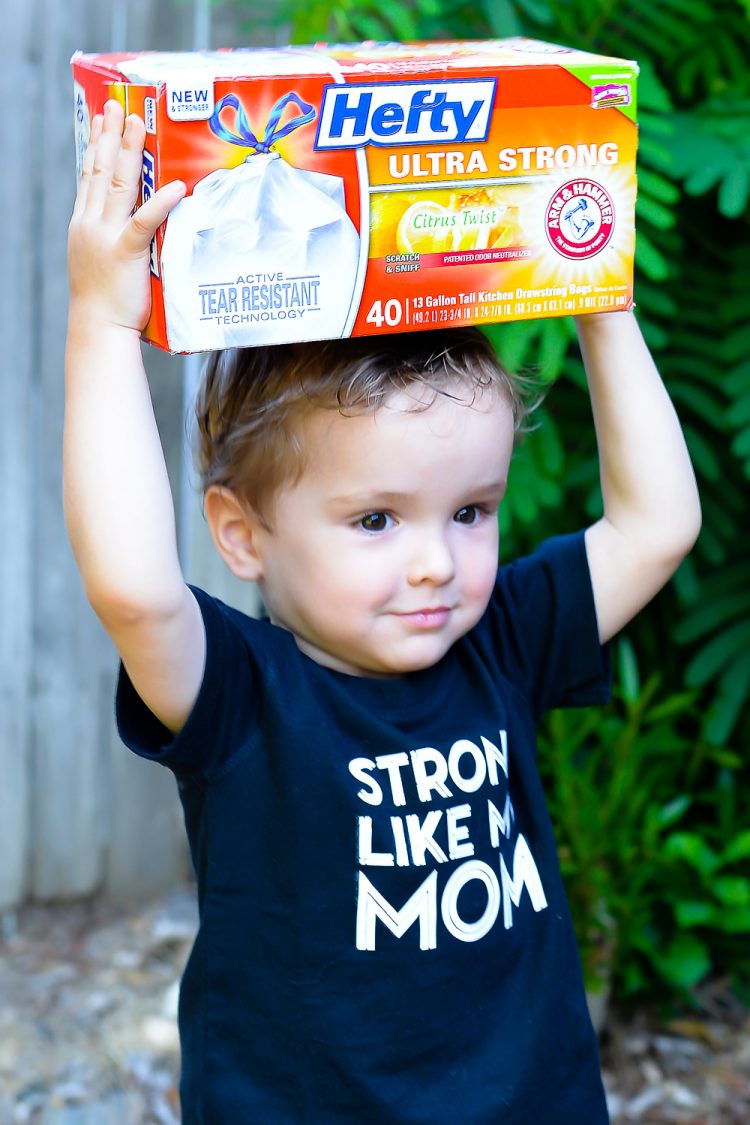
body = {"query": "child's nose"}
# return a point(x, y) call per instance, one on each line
point(432, 561)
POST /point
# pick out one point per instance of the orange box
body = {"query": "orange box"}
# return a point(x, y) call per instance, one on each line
point(366, 188)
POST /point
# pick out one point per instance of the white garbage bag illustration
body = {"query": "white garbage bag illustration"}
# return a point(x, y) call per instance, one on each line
point(262, 253)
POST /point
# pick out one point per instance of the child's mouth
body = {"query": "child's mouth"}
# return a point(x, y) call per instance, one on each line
point(429, 618)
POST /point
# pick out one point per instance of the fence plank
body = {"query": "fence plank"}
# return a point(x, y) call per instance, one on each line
point(67, 766)
point(147, 850)
point(146, 840)
point(77, 813)
point(16, 476)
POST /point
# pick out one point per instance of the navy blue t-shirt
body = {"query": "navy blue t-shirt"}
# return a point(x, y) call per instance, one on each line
point(384, 936)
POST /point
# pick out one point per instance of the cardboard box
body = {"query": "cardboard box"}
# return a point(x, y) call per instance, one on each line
point(369, 188)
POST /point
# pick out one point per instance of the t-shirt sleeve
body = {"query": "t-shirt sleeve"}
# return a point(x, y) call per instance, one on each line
point(224, 713)
point(544, 618)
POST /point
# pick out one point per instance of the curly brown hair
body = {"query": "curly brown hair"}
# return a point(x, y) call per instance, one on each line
point(252, 400)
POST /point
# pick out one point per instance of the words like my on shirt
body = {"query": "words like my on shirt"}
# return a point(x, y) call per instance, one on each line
point(431, 838)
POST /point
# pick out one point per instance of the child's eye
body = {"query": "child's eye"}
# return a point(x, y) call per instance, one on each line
point(467, 515)
point(375, 521)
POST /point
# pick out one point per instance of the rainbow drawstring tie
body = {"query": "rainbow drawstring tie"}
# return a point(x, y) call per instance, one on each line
point(244, 135)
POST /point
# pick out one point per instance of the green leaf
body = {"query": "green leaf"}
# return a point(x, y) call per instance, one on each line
point(702, 452)
point(734, 191)
point(741, 444)
point(537, 10)
point(739, 412)
point(694, 913)
point(652, 93)
point(513, 342)
point(734, 920)
point(656, 300)
point(734, 687)
point(550, 445)
point(501, 17)
point(686, 583)
point(400, 20)
point(657, 186)
point(732, 890)
point(655, 125)
point(727, 759)
point(707, 150)
point(654, 153)
point(737, 346)
point(707, 174)
point(630, 680)
point(738, 848)
point(671, 812)
point(650, 260)
point(655, 213)
point(716, 612)
point(681, 704)
point(655, 336)
point(553, 343)
point(693, 849)
point(732, 578)
point(717, 653)
point(737, 381)
point(698, 399)
point(686, 961)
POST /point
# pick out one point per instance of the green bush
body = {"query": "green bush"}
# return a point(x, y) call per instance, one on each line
point(650, 796)
point(654, 861)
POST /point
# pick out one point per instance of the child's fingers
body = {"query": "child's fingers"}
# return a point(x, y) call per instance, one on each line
point(87, 167)
point(148, 218)
point(126, 173)
point(106, 152)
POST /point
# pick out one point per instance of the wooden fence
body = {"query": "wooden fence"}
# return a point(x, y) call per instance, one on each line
point(78, 814)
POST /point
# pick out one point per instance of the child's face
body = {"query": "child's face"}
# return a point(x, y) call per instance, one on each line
point(385, 551)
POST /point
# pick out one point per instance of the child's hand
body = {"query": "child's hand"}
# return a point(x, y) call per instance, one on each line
point(108, 245)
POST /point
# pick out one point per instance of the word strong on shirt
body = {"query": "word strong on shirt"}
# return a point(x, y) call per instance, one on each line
point(475, 776)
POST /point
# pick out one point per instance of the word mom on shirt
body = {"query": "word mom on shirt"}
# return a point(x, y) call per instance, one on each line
point(409, 840)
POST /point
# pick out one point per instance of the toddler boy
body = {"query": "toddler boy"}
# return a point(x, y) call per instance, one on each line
point(384, 936)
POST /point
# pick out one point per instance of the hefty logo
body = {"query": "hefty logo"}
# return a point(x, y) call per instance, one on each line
point(148, 187)
point(406, 113)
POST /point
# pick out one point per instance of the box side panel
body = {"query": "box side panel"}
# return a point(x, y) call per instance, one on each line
point(145, 101)
point(91, 89)
point(94, 85)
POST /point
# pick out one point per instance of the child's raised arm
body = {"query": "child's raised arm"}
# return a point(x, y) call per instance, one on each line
point(118, 504)
point(651, 507)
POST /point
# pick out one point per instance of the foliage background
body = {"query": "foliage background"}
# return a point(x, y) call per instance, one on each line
point(650, 797)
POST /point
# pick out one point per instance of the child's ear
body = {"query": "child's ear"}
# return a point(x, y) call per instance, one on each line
point(233, 528)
